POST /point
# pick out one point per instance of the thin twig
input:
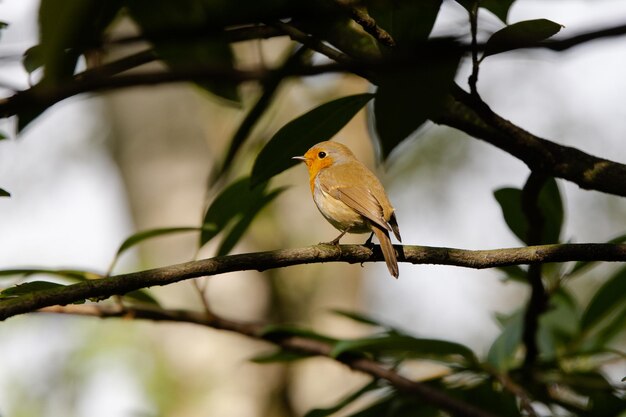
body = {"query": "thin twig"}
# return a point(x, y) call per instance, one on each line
point(295, 343)
point(360, 16)
point(473, 78)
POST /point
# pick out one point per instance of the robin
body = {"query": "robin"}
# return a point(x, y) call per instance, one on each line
point(350, 196)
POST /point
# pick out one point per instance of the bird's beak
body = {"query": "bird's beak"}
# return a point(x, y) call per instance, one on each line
point(299, 158)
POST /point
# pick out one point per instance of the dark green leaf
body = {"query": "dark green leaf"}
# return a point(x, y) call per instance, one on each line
point(515, 273)
point(28, 287)
point(33, 59)
point(605, 332)
point(503, 352)
point(510, 200)
point(358, 317)
point(4, 193)
point(142, 296)
point(609, 297)
point(582, 265)
point(293, 139)
point(275, 331)
point(406, 99)
point(520, 35)
point(244, 222)
point(3, 136)
point(152, 233)
point(349, 399)
point(234, 201)
point(409, 22)
point(550, 204)
point(558, 325)
point(199, 44)
point(488, 397)
point(67, 29)
point(65, 273)
point(270, 87)
point(280, 356)
point(405, 346)
point(500, 8)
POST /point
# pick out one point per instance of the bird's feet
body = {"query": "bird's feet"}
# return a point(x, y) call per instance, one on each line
point(368, 243)
point(335, 241)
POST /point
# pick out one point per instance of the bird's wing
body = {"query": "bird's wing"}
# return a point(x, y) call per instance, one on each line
point(361, 200)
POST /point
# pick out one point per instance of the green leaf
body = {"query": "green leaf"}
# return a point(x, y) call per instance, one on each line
point(500, 8)
point(609, 297)
point(358, 317)
point(142, 296)
point(487, 397)
point(73, 274)
point(33, 59)
point(66, 30)
point(558, 325)
point(407, 98)
point(293, 139)
point(520, 35)
point(503, 351)
point(349, 399)
point(234, 201)
point(3, 136)
point(4, 193)
point(514, 272)
point(280, 331)
point(196, 43)
point(237, 231)
point(510, 200)
point(405, 346)
point(270, 87)
point(28, 287)
point(280, 356)
point(550, 204)
point(409, 22)
point(152, 233)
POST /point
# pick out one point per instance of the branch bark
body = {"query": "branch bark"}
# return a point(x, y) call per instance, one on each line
point(293, 343)
point(477, 259)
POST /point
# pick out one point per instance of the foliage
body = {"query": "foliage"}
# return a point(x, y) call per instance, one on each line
point(414, 82)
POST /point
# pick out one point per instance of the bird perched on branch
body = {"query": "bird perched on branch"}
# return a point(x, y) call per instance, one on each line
point(350, 196)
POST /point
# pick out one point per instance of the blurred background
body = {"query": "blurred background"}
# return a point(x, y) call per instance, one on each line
point(95, 169)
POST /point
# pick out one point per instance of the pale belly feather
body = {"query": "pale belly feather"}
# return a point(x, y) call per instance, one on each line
point(339, 214)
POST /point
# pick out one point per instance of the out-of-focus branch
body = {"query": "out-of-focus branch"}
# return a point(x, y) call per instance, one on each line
point(538, 302)
point(479, 259)
point(360, 15)
point(293, 343)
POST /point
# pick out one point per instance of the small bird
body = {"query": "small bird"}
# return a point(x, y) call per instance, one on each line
point(350, 196)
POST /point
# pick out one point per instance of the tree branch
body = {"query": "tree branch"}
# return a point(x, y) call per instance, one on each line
point(293, 343)
point(589, 172)
point(477, 259)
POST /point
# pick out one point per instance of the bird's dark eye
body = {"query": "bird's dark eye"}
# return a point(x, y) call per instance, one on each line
point(322, 155)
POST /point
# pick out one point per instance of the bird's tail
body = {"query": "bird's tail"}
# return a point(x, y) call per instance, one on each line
point(389, 253)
